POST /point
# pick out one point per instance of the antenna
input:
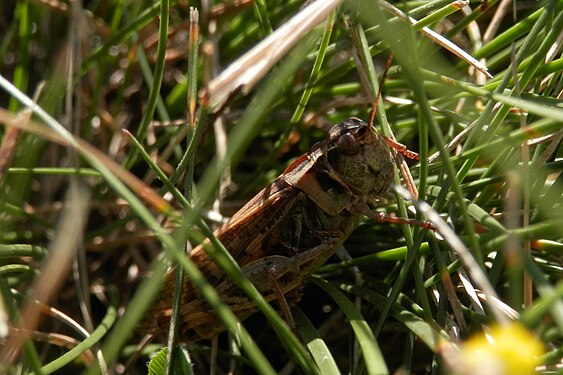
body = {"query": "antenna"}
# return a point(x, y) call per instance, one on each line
point(383, 77)
point(399, 147)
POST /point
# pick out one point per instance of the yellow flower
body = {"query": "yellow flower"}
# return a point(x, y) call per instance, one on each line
point(510, 349)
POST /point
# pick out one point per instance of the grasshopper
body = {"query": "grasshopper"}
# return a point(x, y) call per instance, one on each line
point(288, 229)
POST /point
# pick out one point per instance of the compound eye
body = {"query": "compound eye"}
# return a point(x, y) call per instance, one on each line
point(348, 144)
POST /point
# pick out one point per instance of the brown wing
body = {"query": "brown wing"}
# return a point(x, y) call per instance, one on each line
point(243, 236)
point(250, 226)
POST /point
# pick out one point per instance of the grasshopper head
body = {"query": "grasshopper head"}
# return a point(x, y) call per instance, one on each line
point(353, 163)
point(360, 157)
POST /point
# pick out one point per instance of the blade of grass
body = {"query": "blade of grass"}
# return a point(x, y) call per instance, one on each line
point(20, 77)
point(154, 92)
point(429, 333)
point(8, 303)
point(175, 320)
point(97, 335)
point(375, 363)
point(320, 352)
point(146, 17)
point(250, 68)
point(307, 92)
